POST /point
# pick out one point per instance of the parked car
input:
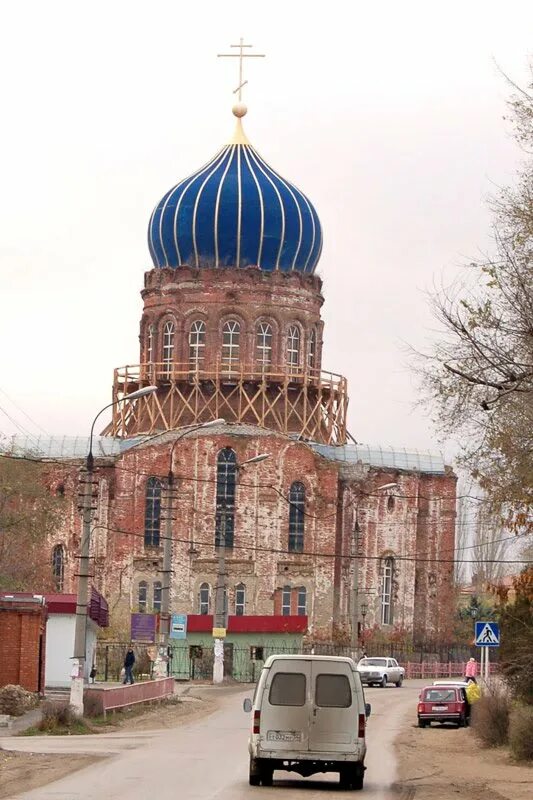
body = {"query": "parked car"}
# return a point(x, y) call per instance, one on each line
point(443, 703)
point(309, 715)
point(380, 671)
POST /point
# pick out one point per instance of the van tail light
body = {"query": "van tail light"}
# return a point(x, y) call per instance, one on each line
point(361, 729)
point(257, 720)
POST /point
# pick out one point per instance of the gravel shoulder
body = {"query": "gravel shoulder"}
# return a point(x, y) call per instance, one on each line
point(441, 763)
point(22, 771)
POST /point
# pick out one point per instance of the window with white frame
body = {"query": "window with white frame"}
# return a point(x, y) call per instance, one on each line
point(197, 344)
point(203, 599)
point(240, 600)
point(226, 488)
point(293, 346)
point(386, 578)
point(150, 344)
point(157, 596)
point(301, 607)
point(231, 336)
point(168, 345)
point(311, 353)
point(263, 341)
point(286, 595)
point(142, 596)
point(58, 566)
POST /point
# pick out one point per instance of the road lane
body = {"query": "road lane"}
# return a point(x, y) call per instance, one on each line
point(208, 758)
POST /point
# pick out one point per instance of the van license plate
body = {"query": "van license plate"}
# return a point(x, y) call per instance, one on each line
point(284, 736)
point(439, 708)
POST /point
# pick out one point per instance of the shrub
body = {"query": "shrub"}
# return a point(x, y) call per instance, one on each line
point(490, 717)
point(521, 733)
point(55, 715)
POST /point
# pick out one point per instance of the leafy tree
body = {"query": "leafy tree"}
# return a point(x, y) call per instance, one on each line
point(29, 514)
point(479, 375)
point(516, 621)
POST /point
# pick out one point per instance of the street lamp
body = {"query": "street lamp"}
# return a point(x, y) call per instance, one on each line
point(355, 586)
point(364, 610)
point(78, 666)
point(167, 544)
point(219, 621)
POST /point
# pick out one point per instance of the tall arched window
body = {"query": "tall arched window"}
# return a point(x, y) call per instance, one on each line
point(225, 510)
point(387, 573)
point(231, 335)
point(58, 566)
point(301, 606)
point(311, 353)
point(203, 599)
point(296, 517)
point(263, 344)
point(293, 347)
point(286, 595)
point(143, 596)
point(152, 512)
point(150, 344)
point(197, 344)
point(240, 600)
point(168, 346)
point(157, 596)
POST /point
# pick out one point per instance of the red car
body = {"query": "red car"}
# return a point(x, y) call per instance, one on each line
point(443, 704)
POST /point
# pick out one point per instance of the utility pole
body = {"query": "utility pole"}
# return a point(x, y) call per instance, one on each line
point(355, 587)
point(167, 565)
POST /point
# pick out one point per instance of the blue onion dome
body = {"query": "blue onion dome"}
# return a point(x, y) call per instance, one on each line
point(236, 211)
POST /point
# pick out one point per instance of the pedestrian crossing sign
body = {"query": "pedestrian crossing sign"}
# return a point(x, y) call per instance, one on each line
point(487, 634)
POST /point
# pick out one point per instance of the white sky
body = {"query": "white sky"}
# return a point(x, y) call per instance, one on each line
point(388, 115)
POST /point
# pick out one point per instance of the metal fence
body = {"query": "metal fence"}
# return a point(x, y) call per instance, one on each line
point(243, 663)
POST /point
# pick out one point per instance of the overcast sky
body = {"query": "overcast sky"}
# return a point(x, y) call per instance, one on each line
point(387, 115)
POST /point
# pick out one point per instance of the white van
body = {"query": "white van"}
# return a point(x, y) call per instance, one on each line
point(309, 715)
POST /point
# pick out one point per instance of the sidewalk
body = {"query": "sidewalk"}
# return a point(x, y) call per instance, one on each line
point(22, 723)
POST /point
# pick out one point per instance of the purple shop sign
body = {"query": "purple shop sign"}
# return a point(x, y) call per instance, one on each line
point(143, 627)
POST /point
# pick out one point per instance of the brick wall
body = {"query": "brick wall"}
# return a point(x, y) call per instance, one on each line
point(22, 644)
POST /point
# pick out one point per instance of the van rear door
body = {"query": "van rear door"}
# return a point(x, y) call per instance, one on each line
point(285, 706)
point(335, 708)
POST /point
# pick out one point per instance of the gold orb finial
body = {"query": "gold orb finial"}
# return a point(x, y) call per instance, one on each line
point(239, 110)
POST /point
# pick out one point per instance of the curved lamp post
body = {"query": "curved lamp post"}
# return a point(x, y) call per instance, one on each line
point(220, 616)
point(79, 657)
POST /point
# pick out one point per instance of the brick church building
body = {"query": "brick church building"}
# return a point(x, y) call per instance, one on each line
point(346, 534)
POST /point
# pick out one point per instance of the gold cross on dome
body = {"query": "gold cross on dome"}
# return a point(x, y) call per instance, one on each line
point(240, 55)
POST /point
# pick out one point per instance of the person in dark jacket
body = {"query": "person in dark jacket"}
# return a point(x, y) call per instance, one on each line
point(129, 661)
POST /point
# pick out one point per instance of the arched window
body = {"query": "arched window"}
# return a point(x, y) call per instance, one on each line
point(150, 344)
point(387, 572)
point(203, 599)
point(390, 503)
point(301, 608)
point(293, 347)
point(286, 595)
point(240, 600)
point(197, 344)
point(157, 596)
point(263, 344)
point(311, 353)
point(143, 596)
point(231, 335)
point(58, 566)
point(225, 510)
point(168, 346)
point(296, 517)
point(152, 512)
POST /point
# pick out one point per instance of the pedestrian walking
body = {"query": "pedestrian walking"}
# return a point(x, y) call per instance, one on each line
point(471, 670)
point(129, 661)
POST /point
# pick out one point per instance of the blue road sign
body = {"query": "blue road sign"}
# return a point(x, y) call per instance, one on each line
point(487, 634)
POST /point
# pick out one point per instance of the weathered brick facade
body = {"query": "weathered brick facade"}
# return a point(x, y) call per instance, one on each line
point(22, 644)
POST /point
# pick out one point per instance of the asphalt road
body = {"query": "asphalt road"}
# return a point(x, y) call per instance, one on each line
point(207, 758)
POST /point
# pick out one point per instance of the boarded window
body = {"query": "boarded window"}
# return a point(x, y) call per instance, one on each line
point(333, 691)
point(287, 689)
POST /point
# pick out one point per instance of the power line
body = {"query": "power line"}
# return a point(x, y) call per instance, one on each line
point(19, 408)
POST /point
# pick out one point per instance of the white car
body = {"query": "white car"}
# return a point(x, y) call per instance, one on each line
point(380, 671)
